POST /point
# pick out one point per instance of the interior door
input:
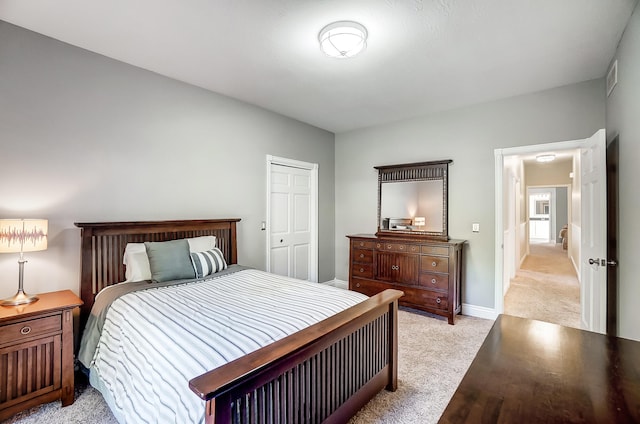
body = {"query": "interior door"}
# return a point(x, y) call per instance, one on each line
point(290, 221)
point(593, 222)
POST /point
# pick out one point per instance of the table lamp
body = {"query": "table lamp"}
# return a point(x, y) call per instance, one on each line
point(419, 221)
point(22, 235)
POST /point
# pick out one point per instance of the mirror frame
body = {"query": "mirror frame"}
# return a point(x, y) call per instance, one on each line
point(409, 172)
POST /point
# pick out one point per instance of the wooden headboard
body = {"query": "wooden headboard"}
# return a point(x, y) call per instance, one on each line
point(103, 245)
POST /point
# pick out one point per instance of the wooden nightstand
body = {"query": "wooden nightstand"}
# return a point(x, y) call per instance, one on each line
point(36, 352)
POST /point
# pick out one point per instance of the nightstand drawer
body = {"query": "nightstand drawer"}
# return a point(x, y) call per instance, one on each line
point(34, 327)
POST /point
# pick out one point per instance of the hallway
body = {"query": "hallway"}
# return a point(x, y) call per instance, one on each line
point(546, 287)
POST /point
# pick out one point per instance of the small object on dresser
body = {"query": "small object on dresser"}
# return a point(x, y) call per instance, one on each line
point(38, 333)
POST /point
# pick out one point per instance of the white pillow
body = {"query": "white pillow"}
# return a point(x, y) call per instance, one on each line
point(136, 261)
point(201, 244)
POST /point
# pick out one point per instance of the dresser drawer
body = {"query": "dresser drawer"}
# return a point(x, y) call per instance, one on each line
point(434, 281)
point(361, 255)
point(362, 270)
point(396, 247)
point(25, 329)
point(369, 288)
point(435, 250)
point(434, 263)
point(423, 297)
point(360, 244)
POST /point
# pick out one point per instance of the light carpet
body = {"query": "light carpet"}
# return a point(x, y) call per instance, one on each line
point(433, 358)
point(546, 287)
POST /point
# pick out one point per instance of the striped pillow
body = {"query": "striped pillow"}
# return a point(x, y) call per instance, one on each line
point(206, 263)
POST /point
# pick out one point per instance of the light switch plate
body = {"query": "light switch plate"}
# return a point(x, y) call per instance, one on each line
point(475, 227)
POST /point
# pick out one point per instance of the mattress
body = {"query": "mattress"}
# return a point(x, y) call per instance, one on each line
point(154, 340)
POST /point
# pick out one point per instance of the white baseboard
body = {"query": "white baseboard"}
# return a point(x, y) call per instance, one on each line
point(337, 283)
point(479, 311)
point(575, 267)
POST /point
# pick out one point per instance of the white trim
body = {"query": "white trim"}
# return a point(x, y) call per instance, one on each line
point(313, 167)
point(499, 170)
point(498, 305)
point(479, 311)
point(337, 283)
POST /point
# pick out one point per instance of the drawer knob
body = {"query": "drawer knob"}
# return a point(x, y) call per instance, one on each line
point(378, 245)
point(362, 255)
point(25, 330)
point(361, 244)
point(401, 247)
point(361, 269)
point(433, 263)
point(388, 246)
point(438, 301)
point(433, 281)
point(357, 284)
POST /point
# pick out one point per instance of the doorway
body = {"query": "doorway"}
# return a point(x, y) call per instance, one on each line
point(292, 218)
point(512, 231)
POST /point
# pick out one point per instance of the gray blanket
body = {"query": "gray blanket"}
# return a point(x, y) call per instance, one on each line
point(104, 299)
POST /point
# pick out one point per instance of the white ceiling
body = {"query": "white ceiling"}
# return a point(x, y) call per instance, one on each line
point(422, 55)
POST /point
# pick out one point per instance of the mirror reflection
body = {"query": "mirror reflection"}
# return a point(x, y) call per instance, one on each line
point(412, 206)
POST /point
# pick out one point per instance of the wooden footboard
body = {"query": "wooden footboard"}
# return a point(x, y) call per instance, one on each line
point(324, 373)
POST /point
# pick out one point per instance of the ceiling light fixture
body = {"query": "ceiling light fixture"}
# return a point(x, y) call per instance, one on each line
point(343, 39)
point(545, 158)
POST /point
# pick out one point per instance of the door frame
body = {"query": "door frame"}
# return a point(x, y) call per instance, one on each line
point(313, 210)
point(499, 155)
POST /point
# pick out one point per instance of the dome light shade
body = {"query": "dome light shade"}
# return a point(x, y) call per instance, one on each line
point(343, 39)
point(545, 158)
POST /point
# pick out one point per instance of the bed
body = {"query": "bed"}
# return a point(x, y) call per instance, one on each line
point(324, 372)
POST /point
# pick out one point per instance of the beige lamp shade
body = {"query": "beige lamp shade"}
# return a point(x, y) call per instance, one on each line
point(23, 235)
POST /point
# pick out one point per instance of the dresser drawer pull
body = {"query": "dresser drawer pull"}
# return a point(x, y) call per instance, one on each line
point(378, 245)
point(361, 269)
point(357, 284)
point(361, 244)
point(25, 330)
point(401, 247)
point(362, 255)
point(438, 301)
point(434, 263)
point(389, 246)
point(433, 281)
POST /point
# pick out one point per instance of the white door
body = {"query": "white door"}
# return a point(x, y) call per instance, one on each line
point(292, 246)
point(593, 223)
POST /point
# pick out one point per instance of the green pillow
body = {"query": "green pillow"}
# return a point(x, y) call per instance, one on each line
point(169, 260)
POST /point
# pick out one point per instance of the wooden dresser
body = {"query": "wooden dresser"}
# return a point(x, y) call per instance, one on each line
point(429, 272)
point(36, 352)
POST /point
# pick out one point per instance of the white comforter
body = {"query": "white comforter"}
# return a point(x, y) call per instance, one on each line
point(154, 341)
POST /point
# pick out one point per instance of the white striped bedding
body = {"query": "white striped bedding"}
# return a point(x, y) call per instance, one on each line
point(154, 341)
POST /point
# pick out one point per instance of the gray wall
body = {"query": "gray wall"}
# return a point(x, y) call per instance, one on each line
point(623, 110)
point(469, 137)
point(87, 138)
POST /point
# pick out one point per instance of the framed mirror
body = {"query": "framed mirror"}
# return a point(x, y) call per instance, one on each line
point(413, 199)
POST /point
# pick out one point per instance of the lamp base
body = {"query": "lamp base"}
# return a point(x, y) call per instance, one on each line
point(20, 298)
